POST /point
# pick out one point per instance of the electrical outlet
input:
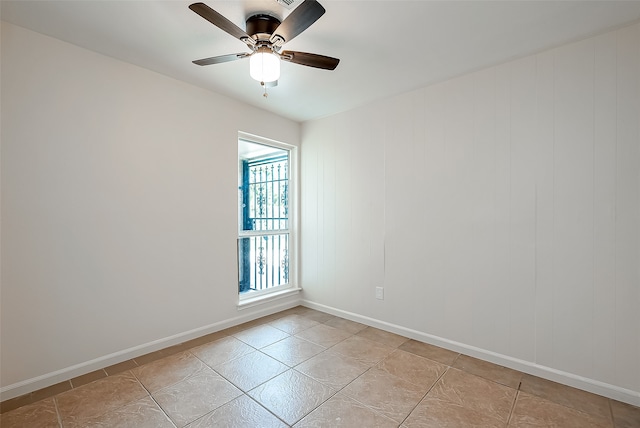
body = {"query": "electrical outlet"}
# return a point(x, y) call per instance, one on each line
point(380, 293)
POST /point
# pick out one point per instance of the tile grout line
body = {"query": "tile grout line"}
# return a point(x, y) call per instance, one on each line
point(115, 408)
point(369, 369)
point(425, 395)
point(153, 398)
point(455, 360)
point(195, 373)
point(188, 351)
point(337, 391)
point(513, 406)
point(227, 361)
point(260, 404)
point(160, 407)
point(568, 405)
point(318, 406)
point(55, 403)
point(613, 421)
point(299, 372)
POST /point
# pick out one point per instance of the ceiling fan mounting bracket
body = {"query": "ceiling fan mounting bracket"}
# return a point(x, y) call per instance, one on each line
point(261, 26)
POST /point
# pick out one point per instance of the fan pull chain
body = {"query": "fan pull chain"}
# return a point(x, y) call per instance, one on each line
point(266, 95)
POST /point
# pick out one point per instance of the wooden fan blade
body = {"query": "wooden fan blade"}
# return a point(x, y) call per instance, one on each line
point(299, 20)
point(219, 21)
point(221, 58)
point(310, 60)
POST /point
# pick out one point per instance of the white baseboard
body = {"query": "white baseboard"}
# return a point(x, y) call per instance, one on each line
point(48, 379)
point(570, 379)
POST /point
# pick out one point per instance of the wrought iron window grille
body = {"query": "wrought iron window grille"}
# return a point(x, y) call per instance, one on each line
point(263, 245)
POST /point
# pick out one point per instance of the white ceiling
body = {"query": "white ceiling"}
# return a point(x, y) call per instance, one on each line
point(385, 47)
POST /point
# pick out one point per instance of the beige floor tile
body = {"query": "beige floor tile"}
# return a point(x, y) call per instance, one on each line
point(532, 411)
point(490, 371)
point(346, 325)
point(386, 394)
point(231, 331)
point(251, 370)
point(168, 371)
point(291, 395)
point(292, 350)
point(120, 367)
point(221, 351)
point(41, 414)
point(243, 412)
point(261, 335)
point(149, 358)
point(196, 396)
point(17, 402)
point(312, 314)
point(269, 318)
point(381, 336)
point(474, 393)
point(333, 369)
point(412, 368)
point(296, 310)
point(33, 397)
point(88, 378)
point(342, 411)
point(324, 335)
point(364, 350)
point(566, 395)
point(431, 352)
point(97, 398)
point(625, 415)
point(143, 413)
point(177, 349)
point(203, 340)
point(434, 413)
point(50, 391)
point(292, 324)
point(302, 310)
point(318, 316)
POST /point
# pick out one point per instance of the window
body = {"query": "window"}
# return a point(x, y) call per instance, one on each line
point(265, 249)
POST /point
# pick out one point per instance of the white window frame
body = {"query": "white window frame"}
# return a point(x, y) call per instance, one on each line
point(260, 296)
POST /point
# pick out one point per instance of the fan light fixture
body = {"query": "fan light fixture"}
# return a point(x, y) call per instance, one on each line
point(264, 65)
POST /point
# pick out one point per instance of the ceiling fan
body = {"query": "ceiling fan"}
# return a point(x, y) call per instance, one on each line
point(265, 36)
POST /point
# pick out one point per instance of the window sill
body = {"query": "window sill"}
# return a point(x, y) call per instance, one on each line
point(265, 298)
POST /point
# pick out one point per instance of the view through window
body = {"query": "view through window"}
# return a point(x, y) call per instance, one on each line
point(263, 237)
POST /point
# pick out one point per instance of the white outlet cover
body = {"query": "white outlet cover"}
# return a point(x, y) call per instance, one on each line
point(380, 293)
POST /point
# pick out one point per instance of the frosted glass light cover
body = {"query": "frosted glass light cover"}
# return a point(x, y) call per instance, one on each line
point(264, 67)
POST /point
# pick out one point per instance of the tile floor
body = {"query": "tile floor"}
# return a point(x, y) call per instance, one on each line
point(305, 368)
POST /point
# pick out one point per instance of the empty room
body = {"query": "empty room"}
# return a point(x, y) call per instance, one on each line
point(332, 213)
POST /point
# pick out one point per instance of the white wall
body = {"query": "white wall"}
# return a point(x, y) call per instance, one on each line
point(499, 210)
point(119, 205)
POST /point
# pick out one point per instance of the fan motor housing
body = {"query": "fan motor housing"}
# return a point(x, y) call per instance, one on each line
point(262, 26)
